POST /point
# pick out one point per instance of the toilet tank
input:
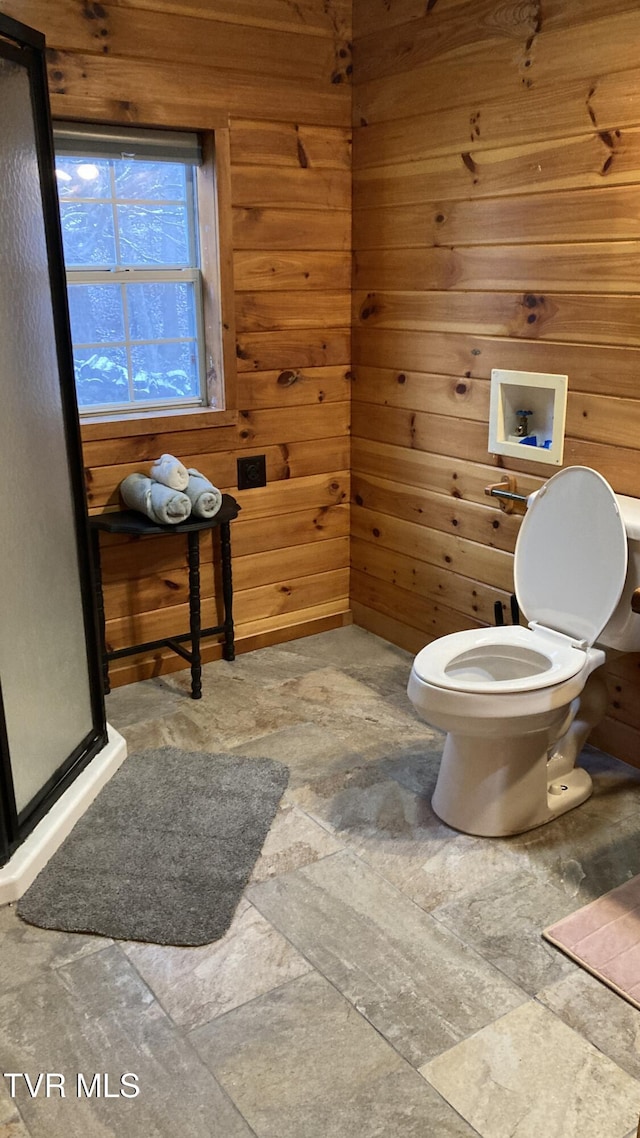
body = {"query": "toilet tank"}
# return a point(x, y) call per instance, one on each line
point(623, 629)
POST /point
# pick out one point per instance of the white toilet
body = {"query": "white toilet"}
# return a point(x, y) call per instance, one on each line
point(518, 703)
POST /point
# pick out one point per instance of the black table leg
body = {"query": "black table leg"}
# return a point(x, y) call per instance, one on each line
point(228, 648)
point(97, 569)
point(194, 613)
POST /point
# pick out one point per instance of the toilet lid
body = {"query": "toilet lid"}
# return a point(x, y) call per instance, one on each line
point(571, 554)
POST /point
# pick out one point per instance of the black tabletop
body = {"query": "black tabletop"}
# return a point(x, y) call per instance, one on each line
point(139, 525)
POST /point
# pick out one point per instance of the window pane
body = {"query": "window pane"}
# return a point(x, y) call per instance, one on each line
point(135, 335)
point(153, 235)
point(101, 376)
point(87, 233)
point(150, 180)
point(83, 177)
point(161, 311)
point(164, 371)
point(96, 313)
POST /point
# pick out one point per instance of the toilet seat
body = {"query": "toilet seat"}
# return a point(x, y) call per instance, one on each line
point(456, 662)
point(563, 584)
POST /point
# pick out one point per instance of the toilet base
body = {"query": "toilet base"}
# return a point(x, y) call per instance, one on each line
point(497, 787)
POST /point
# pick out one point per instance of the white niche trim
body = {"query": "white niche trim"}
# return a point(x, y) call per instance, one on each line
point(544, 398)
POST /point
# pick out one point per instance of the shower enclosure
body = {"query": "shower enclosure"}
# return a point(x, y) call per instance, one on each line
point(52, 719)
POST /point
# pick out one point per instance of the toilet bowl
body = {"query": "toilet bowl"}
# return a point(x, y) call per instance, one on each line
point(518, 703)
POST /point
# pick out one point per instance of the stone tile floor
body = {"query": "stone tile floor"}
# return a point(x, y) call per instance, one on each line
point(384, 976)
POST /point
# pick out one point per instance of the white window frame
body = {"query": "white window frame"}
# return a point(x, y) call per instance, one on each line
point(144, 276)
point(83, 141)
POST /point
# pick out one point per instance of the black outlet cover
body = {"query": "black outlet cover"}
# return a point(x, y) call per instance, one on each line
point(252, 472)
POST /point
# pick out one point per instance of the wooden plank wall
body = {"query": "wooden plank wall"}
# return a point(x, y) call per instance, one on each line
point(496, 224)
point(277, 74)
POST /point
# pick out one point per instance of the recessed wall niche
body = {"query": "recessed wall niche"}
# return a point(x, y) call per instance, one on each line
point(527, 415)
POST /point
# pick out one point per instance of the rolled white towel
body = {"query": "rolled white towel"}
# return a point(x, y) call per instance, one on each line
point(205, 498)
point(170, 472)
point(160, 503)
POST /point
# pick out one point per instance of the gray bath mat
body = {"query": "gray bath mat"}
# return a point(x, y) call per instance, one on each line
point(164, 852)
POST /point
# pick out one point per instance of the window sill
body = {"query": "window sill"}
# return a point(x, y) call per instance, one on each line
point(154, 422)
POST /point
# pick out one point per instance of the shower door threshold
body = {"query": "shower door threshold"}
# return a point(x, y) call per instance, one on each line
point(34, 853)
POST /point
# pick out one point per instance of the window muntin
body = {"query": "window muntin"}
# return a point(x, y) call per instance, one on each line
point(130, 239)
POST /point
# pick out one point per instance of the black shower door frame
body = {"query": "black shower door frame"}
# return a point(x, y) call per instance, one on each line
point(26, 46)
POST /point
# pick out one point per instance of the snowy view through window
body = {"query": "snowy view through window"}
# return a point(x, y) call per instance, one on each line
point(129, 235)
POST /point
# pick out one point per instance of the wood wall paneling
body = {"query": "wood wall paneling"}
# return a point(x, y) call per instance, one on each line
point(575, 216)
point(496, 171)
point(331, 18)
point(291, 145)
point(292, 269)
point(293, 387)
point(597, 368)
point(594, 267)
point(605, 106)
point(496, 179)
point(460, 480)
point(591, 159)
point(276, 76)
point(376, 16)
point(570, 317)
point(493, 66)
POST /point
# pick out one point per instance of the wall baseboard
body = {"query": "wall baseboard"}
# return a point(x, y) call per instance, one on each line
point(260, 634)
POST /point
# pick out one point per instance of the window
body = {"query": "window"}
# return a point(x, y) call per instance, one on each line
point(129, 213)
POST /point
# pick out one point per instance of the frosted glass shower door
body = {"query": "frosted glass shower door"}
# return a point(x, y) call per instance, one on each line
point(52, 709)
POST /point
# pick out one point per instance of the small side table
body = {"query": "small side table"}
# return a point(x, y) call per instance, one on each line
point(138, 525)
